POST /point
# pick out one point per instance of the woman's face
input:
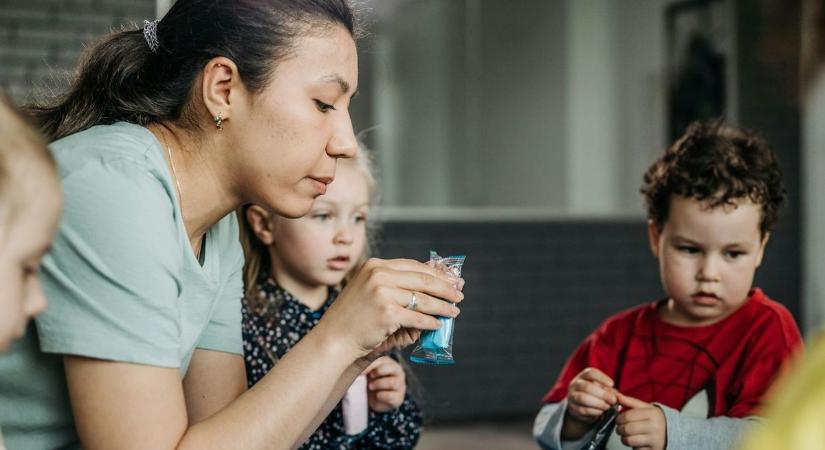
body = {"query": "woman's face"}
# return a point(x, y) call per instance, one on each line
point(290, 135)
point(24, 239)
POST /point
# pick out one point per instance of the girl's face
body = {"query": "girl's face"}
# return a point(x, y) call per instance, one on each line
point(24, 239)
point(319, 249)
point(290, 135)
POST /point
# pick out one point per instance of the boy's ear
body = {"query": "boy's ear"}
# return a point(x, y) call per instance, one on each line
point(762, 246)
point(653, 237)
point(260, 220)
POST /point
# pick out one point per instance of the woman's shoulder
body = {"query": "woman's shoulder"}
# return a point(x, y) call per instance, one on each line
point(130, 146)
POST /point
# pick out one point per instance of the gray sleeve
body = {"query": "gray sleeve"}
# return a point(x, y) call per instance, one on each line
point(547, 428)
point(684, 432)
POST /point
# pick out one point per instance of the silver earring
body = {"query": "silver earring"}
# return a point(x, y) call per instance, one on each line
point(218, 121)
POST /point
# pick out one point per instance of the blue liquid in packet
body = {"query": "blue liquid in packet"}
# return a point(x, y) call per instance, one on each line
point(436, 346)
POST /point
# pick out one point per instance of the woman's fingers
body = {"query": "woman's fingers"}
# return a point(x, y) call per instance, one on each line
point(416, 266)
point(425, 303)
point(417, 281)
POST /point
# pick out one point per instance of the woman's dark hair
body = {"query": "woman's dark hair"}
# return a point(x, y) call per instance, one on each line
point(121, 79)
point(717, 164)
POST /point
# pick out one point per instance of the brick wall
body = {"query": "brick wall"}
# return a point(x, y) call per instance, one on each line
point(41, 38)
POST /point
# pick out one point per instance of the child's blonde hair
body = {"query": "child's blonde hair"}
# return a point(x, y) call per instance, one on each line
point(19, 141)
point(256, 253)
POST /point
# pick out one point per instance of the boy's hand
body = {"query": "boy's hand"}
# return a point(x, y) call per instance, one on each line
point(641, 425)
point(590, 394)
point(386, 384)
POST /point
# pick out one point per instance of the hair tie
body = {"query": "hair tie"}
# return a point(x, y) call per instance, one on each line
point(150, 33)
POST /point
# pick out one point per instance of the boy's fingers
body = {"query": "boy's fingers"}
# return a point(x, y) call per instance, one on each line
point(584, 415)
point(592, 374)
point(596, 390)
point(630, 402)
point(585, 400)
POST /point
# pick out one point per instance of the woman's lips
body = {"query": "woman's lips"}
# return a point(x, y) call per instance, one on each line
point(320, 186)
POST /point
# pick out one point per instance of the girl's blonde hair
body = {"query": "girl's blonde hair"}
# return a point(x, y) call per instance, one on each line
point(256, 253)
point(18, 141)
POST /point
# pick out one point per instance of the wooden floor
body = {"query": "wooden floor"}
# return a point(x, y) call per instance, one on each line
point(509, 435)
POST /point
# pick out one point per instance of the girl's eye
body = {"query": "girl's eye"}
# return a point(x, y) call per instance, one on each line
point(733, 254)
point(323, 217)
point(324, 107)
point(360, 219)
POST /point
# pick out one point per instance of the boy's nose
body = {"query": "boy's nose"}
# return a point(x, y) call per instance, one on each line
point(708, 271)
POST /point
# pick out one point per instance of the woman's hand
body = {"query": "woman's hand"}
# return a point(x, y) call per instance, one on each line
point(386, 385)
point(370, 316)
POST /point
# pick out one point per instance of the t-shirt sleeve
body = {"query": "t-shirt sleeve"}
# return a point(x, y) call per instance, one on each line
point(774, 341)
point(112, 278)
point(223, 332)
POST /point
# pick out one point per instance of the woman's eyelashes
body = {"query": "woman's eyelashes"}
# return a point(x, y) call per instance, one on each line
point(323, 107)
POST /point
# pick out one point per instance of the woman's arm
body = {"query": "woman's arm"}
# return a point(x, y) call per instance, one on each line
point(214, 379)
point(122, 405)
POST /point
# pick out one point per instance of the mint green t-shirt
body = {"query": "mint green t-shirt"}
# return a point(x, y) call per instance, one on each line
point(121, 279)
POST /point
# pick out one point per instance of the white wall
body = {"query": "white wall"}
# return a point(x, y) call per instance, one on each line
point(813, 208)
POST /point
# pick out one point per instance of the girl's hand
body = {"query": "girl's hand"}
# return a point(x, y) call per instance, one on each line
point(641, 425)
point(590, 394)
point(370, 315)
point(386, 384)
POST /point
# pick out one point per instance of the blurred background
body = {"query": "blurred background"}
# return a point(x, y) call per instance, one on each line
point(516, 132)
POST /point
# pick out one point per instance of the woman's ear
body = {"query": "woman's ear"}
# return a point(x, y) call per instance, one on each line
point(221, 88)
point(262, 224)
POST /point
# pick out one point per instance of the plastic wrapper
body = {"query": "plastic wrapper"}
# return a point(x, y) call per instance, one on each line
point(604, 429)
point(436, 346)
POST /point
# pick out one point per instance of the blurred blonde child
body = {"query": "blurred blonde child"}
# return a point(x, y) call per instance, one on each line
point(293, 273)
point(30, 202)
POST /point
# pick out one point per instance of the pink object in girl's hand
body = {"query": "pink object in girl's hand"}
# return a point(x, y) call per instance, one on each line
point(355, 407)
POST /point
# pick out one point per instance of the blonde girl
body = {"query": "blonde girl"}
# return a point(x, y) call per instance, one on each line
point(294, 270)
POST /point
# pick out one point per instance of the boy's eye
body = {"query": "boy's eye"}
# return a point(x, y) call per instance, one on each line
point(733, 254)
point(323, 217)
point(689, 249)
point(324, 107)
point(359, 219)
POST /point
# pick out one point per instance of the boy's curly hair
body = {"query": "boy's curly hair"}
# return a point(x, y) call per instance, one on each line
point(717, 164)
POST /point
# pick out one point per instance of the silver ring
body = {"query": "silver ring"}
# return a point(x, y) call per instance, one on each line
point(413, 303)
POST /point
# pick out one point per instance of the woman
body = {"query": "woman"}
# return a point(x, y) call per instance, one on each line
point(164, 133)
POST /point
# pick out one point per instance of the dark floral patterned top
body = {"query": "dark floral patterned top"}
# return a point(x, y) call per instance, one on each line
point(272, 333)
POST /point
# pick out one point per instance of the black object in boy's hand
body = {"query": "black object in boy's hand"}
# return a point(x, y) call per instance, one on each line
point(603, 429)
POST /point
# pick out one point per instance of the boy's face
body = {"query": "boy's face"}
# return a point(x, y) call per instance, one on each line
point(707, 258)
